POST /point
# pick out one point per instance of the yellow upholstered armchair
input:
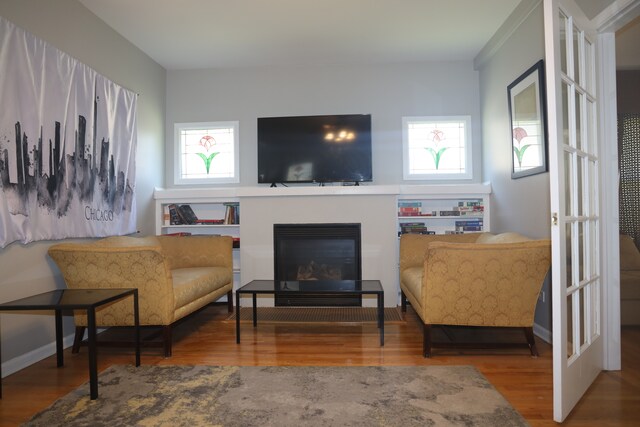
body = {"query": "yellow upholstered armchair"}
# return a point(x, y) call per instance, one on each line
point(174, 275)
point(475, 279)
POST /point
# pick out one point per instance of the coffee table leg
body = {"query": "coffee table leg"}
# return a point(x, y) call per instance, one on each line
point(255, 310)
point(136, 319)
point(381, 318)
point(93, 359)
point(237, 317)
point(59, 346)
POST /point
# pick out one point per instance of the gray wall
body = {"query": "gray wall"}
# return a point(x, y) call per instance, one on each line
point(521, 205)
point(388, 92)
point(26, 269)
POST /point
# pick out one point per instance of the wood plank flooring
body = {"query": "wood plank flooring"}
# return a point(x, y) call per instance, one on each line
point(208, 339)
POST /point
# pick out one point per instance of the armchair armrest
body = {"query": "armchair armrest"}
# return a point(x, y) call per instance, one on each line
point(120, 263)
point(484, 284)
point(414, 246)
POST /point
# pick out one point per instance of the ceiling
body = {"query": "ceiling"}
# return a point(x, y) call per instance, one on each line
point(190, 34)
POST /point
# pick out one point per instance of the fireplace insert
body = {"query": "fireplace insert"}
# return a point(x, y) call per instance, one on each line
point(318, 252)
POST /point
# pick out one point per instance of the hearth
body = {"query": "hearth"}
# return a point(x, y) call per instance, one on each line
point(318, 252)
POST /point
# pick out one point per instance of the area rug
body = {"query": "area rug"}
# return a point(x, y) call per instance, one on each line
point(318, 314)
point(285, 396)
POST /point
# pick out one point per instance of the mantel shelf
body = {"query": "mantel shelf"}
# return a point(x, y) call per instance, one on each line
point(443, 190)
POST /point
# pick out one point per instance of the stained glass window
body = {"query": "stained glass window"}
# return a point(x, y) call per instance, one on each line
point(206, 152)
point(437, 147)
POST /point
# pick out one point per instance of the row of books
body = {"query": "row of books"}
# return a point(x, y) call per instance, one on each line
point(469, 225)
point(184, 215)
point(414, 228)
point(461, 226)
point(232, 213)
point(412, 208)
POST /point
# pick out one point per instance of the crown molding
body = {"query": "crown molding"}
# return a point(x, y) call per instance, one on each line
point(517, 17)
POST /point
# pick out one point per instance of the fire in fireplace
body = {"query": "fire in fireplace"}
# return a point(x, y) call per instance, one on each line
point(305, 252)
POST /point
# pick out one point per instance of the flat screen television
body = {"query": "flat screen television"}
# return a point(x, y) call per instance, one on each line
point(320, 149)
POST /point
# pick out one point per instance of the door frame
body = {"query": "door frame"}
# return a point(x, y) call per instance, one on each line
point(618, 14)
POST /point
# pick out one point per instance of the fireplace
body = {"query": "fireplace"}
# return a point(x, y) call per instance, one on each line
point(322, 252)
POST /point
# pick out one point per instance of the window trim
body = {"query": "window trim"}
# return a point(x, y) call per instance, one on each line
point(177, 164)
point(468, 173)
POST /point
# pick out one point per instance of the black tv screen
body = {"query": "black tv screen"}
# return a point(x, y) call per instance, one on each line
point(320, 149)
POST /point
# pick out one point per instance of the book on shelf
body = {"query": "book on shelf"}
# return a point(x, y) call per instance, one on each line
point(182, 233)
point(413, 228)
point(187, 214)
point(166, 216)
point(408, 211)
point(450, 213)
point(210, 221)
point(174, 217)
point(469, 225)
point(409, 208)
point(232, 213)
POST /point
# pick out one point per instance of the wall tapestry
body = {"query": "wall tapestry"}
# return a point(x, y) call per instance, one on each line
point(67, 145)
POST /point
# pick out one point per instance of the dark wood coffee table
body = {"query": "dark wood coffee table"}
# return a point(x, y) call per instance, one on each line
point(77, 299)
point(311, 289)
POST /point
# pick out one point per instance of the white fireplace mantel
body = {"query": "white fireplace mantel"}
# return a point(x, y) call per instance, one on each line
point(375, 207)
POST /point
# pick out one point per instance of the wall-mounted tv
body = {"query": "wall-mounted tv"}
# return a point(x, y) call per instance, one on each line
point(321, 149)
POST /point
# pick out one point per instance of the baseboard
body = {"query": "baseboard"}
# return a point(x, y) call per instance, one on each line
point(17, 363)
point(542, 333)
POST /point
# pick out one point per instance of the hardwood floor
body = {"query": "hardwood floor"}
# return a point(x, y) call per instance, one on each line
point(208, 339)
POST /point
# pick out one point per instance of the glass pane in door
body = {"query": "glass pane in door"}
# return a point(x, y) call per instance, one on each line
point(570, 340)
point(569, 251)
point(563, 42)
point(568, 176)
point(577, 69)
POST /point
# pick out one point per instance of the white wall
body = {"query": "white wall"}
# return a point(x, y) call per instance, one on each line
point(377, 215)
point(26, 269)
point(388, 92)
point(523, 204)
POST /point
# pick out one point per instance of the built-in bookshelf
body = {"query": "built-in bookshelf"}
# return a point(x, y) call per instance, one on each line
point(183, 214)
point(376, 207)
point(442, 215)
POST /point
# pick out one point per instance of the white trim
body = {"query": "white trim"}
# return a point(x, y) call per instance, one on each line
point(610, 226)
point(189, 194)
point(542, 333)
point(617, 15)
point(25, 360)
point(504, 33)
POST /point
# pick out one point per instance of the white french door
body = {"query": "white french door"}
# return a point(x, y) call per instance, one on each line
point(570, 56)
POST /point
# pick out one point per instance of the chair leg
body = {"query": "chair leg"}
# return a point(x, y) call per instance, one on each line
point(528, 332)
point(166, 339)
point(403, 301)
point(77, 339)
point(426, 341)
point(230, 301)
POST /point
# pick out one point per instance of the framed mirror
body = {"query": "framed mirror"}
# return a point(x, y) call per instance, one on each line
point(528, 123)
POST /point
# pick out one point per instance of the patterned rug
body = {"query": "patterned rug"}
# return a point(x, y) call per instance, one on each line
point(285, 396)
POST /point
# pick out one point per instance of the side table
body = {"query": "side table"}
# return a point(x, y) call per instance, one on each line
point(78, 299)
